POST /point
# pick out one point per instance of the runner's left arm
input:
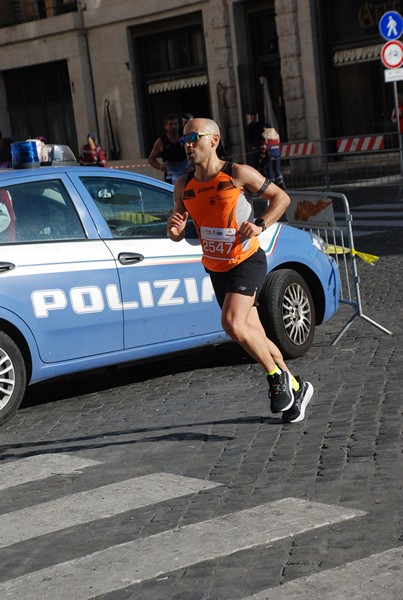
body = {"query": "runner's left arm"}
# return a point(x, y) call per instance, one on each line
point(247, 178)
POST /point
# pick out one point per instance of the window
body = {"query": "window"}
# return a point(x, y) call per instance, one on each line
point(39, 102)
point(174, 51)
point(170, 71)
point(131, 210)
point(39, 211)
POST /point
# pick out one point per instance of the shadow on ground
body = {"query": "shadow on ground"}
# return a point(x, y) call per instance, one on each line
point(120, 375)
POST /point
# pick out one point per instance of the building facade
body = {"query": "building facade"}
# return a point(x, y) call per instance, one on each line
point(117, 67)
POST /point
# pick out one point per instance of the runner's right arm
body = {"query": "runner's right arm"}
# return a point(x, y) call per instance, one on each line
point(176, 223)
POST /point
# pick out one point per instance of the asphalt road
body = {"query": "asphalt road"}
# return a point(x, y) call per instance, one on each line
point(172, 480)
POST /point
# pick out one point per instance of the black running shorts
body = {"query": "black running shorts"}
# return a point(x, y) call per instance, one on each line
point(246, 278)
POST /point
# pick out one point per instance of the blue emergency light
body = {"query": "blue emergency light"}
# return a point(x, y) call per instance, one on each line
point(24, 155)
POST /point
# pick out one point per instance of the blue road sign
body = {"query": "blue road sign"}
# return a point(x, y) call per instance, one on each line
point(391, 25)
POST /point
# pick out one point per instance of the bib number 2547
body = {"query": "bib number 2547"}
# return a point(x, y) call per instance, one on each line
point(217, 240)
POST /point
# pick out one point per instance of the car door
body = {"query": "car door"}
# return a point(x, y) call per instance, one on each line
point(55, 271)
point(167, 295)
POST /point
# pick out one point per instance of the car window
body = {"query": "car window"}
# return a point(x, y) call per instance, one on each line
point(131, 209)
point(38, 211)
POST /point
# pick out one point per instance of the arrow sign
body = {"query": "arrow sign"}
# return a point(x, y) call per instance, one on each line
point(391, 25)
point(392, 54)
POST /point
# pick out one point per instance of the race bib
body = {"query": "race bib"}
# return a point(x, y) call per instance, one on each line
point(218, 234)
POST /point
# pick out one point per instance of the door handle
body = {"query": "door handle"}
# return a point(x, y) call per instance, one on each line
point(6, 266)
point(130, 258)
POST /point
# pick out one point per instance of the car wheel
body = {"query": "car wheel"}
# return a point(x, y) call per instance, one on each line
point(12, 377)
point(287, 312)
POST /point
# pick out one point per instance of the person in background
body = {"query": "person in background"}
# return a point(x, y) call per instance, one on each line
point(174, 162)
point(253, 133)
point(40, 141)
point(221, 151)
point(270, 155)
point(92, 154)
point(218, 195)
point(400, 113)
point(400, 117)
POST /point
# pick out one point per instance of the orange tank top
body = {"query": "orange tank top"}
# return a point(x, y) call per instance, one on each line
point(218, 208)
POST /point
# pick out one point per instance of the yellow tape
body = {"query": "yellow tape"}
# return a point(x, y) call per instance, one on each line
point(369, 258)
point(336, 249)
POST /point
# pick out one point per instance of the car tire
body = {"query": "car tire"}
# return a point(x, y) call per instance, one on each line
point(287, 312)
point(13, 378)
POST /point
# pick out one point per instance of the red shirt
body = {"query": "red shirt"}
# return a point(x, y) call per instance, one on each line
point(269, 147)
point(92, 157)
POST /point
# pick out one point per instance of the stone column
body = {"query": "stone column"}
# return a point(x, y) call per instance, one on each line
point(224, 95)
point(291, 68)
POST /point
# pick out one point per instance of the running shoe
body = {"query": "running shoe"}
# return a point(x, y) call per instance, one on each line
point(302, 397)
point(280, 391)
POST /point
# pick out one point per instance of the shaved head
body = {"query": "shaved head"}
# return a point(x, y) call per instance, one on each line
point(201, 124)
point(203, 149)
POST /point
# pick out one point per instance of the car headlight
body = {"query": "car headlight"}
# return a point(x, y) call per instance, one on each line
point(319, 243)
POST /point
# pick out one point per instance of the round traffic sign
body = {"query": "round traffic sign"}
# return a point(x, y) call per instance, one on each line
point(391, 25)
point(392, 54)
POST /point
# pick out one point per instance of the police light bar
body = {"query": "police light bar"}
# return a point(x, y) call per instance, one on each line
point(24, 155)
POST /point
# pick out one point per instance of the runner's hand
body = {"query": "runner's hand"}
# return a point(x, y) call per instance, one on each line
point(249, 230)
point(177, 224)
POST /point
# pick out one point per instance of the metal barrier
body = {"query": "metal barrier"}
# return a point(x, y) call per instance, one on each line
point(349, 161)
point(344, 161)
point(328, 215)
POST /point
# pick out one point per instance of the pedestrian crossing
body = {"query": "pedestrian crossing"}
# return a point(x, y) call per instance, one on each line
point(145, 558)
point(379, 576)
point(373, 218)
point(35, 468)
point(94, 504)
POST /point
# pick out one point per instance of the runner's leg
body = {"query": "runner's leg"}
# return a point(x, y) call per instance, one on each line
point(244, 330)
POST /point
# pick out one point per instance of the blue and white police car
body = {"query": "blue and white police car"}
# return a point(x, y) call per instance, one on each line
point(89, 278)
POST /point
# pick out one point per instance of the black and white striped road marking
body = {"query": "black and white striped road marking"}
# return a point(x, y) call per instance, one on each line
point(145, 558)
point(116, 567)
point(372, 218)
point(35, 468)
point(379, 577)
point(95, 504)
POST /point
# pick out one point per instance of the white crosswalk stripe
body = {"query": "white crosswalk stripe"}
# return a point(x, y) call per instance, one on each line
point(39, 467)
point(373, 218)
point(94, 504)
point(378, 576)
point(146, 558)
point(143, 559)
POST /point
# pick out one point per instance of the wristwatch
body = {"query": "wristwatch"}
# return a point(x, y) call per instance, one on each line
point(261, 223)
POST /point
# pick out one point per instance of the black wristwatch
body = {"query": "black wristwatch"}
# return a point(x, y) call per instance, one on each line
point(261, 223)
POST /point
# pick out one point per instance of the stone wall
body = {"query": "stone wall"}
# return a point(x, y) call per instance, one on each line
point(98, 57)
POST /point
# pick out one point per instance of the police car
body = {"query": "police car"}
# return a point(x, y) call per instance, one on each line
point(90, 279)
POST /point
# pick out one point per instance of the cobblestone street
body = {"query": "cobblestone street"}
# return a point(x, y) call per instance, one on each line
point(204, 417)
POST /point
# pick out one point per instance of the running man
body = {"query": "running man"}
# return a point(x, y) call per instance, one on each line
point(217, 195)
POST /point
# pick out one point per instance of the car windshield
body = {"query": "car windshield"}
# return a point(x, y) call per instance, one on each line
point(38, 211)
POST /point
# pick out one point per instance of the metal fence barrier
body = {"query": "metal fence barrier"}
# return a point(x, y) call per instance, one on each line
point(328, 215)
point(344, 162)
point(341, 162)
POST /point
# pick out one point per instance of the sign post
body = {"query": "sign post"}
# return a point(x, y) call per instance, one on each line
point(391, 28)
